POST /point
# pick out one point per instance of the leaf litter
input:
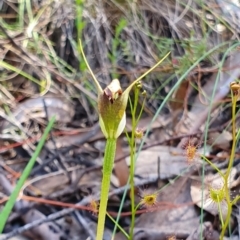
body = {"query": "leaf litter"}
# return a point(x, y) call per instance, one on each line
point(41, 77)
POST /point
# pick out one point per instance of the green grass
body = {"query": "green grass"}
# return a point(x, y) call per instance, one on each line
point(4, 214)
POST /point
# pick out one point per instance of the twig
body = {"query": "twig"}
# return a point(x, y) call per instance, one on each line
point(68, 211)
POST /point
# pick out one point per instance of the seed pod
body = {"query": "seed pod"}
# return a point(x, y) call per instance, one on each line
point(235, 87)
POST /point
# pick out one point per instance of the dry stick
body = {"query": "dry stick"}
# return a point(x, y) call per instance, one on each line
point(85, 224)
point(15, 123)
point(59, 156)
point(30, 216)
point(84, 138)
point(67, 211)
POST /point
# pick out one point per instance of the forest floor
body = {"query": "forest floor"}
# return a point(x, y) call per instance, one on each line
point(184, 104)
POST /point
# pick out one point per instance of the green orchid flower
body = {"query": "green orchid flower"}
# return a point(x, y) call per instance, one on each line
point(112, 103)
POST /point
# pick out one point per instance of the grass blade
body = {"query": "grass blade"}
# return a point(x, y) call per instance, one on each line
point(12, 199)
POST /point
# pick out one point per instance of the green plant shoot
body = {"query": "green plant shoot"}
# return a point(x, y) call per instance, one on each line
point(112, 102)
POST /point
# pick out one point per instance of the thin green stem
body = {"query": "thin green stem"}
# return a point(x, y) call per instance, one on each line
point(227, 220)
point(132, 191)
point(132, 166)
point(234, 101)
point(147, 72)
point(230, 164)
point(120, 228)
point(213, 166)
point(141, 110)
point(19, 71)
point(136, 208)
point(99, 89)
point(220, 212)
point(107, 171)
point(235, 200)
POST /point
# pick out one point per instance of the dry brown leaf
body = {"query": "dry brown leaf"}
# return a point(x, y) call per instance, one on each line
point(179, 96)
point(177, 220)
point(160, 161)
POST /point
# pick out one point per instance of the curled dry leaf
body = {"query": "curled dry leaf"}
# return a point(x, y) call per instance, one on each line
point(34, 108)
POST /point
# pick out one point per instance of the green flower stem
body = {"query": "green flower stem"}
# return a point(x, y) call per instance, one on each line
point(231, 160)
point(220, 212)
point(132, 143)
point(132, 166)
point(107, 171)
point(132, 191)
point(227, 220)
point(213, 166)
point(234, 101)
